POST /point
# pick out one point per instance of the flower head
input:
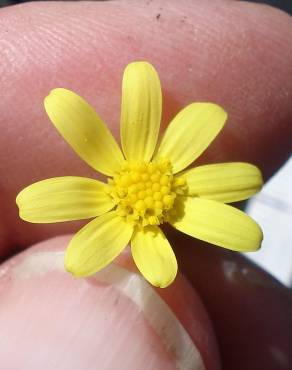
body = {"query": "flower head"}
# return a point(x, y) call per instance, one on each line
point(146, 184)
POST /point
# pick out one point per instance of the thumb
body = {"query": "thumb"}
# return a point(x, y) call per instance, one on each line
point(114, 320)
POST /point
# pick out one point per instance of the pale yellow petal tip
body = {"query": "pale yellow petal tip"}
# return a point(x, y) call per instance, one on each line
point(162, 283)
point(58, 92)
point(50, 94)
point(139, 63)
point(18, 199)
point(48, 99)
point(21, 196)
point(259, 181)
point(23, 217)
point(74, 268)
point(165, 280)
point(210, 108)
point(258, 237)
point(219, 110)
point(19, 203)
point(140, 68)
point(260, 178)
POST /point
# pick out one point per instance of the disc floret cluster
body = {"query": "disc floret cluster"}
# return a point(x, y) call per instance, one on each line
point(145, 192)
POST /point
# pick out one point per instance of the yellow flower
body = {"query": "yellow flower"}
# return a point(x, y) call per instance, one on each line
point(146, 185)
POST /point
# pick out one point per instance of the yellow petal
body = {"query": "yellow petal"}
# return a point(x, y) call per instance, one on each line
point(154, 256)
point(83, 129)
point(141, 111)
point(217, 223)
point(190, 133)
point(63, 199)
point(97, 244)
point(224, 182)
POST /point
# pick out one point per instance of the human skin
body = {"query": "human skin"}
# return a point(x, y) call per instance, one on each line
point(235, 54)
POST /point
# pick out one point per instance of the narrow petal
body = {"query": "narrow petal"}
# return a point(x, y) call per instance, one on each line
point(190, 133)
point(63, 199)
point(83, 129)
point(141, 111)
point(224, 182)
point(218, 223)
point(97, 244)
point(154, 256)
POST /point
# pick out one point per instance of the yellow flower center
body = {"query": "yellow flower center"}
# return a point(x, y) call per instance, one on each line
point(145, 192)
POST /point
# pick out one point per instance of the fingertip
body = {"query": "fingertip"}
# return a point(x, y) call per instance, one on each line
point(76, 320)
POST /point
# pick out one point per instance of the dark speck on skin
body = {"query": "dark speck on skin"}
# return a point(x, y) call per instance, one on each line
point(158, 16)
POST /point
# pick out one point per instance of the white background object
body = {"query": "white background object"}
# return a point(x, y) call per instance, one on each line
point(272, 209)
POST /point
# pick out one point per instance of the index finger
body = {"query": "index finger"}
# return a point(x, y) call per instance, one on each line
point(85, 48)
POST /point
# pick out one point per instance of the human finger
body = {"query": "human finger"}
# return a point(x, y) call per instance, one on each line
point(250, 310)
point(86, 47)
point(51, 320)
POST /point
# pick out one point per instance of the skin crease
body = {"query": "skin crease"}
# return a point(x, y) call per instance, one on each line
point(235, 54)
